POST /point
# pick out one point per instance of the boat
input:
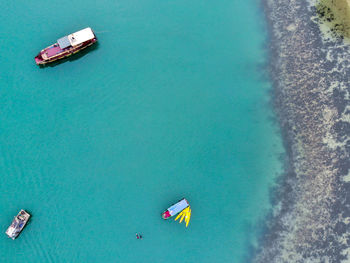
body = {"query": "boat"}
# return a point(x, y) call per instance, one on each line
point(18, 224)
point(66, 46)
point(175, 209)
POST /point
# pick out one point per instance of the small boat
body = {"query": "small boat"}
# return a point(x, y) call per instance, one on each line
point(175, 208)
point(18, 224)
point(66, 46)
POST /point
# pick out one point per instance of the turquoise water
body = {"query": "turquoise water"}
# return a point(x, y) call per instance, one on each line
point(171, 103)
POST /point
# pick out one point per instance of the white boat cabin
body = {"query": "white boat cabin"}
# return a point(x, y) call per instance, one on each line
point(76, 38)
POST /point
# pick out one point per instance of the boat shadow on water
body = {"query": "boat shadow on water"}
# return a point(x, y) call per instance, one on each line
point(73, 57)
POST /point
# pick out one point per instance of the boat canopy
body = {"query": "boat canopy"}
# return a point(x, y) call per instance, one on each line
point(178, 207)
point(81, 36)
point(63, 42)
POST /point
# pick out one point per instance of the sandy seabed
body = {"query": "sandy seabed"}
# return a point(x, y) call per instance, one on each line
point(310, 70)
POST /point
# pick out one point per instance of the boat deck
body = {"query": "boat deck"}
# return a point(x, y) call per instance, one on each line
point(52, 51)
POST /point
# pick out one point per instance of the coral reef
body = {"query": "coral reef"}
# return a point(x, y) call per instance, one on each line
point(311, 75)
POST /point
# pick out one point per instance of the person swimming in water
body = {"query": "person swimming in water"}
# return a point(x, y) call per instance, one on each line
point(138, 236)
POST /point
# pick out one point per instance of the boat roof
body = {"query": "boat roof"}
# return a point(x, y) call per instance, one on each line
point(178, 207)
point(63, 42)
point(76, 38)
point(81, 36)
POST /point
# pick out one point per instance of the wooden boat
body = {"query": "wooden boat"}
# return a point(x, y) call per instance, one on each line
point(18, 224)
point(175, 209)
point(66, 46)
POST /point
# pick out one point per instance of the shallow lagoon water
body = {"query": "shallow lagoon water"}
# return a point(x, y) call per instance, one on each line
point(173, 102)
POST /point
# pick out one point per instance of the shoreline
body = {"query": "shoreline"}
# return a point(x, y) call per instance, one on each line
point(308, 70)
